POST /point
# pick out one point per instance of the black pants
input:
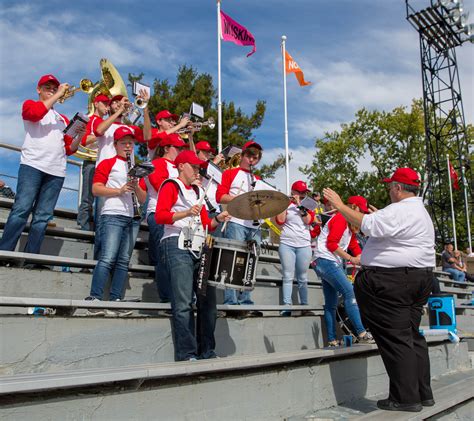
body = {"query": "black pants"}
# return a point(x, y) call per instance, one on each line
point(391, 304)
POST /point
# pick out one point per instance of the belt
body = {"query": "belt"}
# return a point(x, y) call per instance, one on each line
point(398, 269)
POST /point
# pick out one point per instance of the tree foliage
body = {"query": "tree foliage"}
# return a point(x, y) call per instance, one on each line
point(354, 159)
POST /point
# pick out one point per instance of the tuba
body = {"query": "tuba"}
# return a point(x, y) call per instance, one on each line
point(232, 162)
point(111, 84)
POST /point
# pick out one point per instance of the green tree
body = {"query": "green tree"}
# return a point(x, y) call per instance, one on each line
point(382, 141)
point(190, 86)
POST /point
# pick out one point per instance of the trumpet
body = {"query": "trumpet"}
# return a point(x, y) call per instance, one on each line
point(85, 85)
point(197, 126)
point(140, 102)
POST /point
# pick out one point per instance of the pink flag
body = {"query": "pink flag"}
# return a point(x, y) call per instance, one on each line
point(236, 33)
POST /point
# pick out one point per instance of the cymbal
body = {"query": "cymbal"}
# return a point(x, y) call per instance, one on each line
point(258, 204)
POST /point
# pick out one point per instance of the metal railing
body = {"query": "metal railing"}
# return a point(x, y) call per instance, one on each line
point(70, 195)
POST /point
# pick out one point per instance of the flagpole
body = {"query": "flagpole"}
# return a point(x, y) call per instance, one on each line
point(219, 88)
point(466, 208)
point(452, 203)
point(287, 160)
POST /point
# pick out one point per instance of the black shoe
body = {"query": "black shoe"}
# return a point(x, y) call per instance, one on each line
point(256, 313)
point(428, 402)
point(389, 405)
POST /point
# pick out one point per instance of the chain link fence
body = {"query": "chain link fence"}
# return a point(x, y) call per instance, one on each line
point(70, 195)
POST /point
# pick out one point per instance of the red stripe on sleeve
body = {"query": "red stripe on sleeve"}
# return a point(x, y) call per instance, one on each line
point(336, 226)
point(102, 172)
point(167, 197)
point(33, 110)
point(227, 178)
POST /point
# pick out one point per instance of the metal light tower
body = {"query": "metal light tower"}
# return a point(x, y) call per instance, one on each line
point(442, 27)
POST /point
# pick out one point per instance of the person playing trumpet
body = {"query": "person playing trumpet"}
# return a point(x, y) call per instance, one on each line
point(42, 165)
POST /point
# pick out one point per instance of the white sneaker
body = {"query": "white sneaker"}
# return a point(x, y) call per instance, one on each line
point(94, 311)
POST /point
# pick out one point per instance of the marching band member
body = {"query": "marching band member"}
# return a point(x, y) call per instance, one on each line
point(336, 237)
point(167, 124)
point(295, 246)
point(178, 204)
point(116, 225)
point(104, 131)
point(236, 181)
point(85, 214)
point(165, 168)
point(42, 166)
point(205, 151)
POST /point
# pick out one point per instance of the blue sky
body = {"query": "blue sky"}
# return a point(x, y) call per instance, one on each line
point(358, 54)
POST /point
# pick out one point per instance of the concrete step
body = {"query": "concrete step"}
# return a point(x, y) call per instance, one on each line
point(449, 391)
point(251, 387)
point(54, 344)
point(76, 285)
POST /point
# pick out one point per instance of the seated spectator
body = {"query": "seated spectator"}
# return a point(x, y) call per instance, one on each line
point(461, 265)
point(6, 191)
point(448, 262)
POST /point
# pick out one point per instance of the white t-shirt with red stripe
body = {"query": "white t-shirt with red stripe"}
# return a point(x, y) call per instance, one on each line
point(105, 142)
point(336, 233)
point(174, 196)
point(112, 172)
point(45, 147)
point(236, 181)
point(164, 169)
point(295, 232)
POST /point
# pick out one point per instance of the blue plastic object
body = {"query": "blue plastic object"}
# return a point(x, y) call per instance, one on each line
point(442, 313)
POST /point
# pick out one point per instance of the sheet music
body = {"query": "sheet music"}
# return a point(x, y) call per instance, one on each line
point(214, 171)
point(137, 86)
point(77, 125)
point(261, 185)
point(309, 203)
point(230, 151)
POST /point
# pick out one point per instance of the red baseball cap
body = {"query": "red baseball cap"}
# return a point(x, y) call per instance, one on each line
point(48, 78)
point(116, 98)
point(205, 146)
point(188, 157)
point(300, 187)
point(251, 144)
point(405, 176)
point(360, 202)
point(123, 131)
point(173, 139)
point(165, 114)
point(102, 98)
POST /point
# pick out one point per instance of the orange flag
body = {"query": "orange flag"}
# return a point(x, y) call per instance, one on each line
point(292, 67)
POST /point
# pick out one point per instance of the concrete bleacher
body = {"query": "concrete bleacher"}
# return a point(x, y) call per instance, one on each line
point(73, 366)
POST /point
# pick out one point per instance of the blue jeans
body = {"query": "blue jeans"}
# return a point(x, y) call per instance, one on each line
point(99, 204)
point(116, 234)
point(457, 275)
point(37, 192)
point(182, 268)
point(85, 211)
point(295, 259)
point(161, 274)
point(239, 232)
point(335, 281)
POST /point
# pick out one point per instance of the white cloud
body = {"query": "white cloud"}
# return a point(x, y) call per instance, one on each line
point(301, 156)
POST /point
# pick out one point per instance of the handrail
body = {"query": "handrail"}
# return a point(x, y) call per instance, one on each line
point(18, 149)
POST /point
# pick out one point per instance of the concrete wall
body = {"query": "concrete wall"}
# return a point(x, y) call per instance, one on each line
point(266, 394)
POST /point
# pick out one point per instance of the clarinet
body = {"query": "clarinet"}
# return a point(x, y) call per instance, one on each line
point(136, 206)
point(253, 183)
